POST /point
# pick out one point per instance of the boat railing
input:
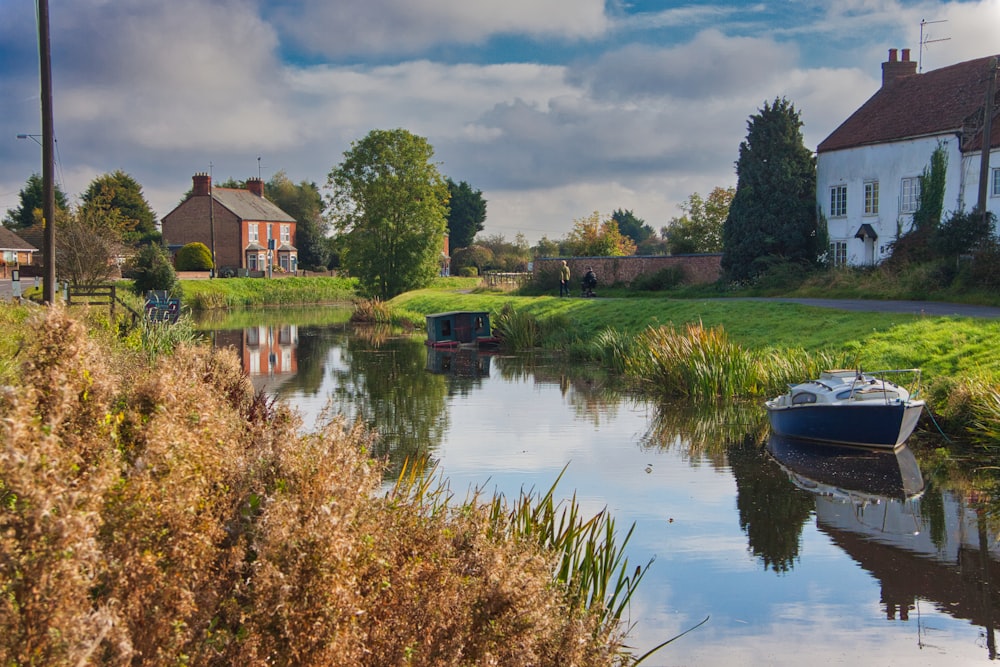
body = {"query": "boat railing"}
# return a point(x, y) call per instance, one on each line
point(881, 376)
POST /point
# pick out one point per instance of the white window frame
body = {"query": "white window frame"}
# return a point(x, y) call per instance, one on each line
point(871, 198)
point(253, 233)
point(838, 201)
point(286, 233)
point(909, 194)
point(996, 182)
point(838, 253)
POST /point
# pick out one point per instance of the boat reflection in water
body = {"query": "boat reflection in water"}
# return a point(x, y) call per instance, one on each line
point(459, 361)
point(923, 545)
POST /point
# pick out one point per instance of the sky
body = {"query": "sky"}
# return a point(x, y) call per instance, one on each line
point(554, 109)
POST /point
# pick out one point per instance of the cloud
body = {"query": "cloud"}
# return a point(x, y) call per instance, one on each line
point(712, 65)
point(398, 27)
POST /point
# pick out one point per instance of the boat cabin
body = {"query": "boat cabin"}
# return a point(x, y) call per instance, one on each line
point(460, 327)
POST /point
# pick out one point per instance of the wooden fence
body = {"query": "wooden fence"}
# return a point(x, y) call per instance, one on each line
point(498, 279)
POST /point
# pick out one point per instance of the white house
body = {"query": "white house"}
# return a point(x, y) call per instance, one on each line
point(868, 171)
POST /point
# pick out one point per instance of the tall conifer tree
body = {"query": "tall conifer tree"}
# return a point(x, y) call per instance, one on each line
point(773, 218)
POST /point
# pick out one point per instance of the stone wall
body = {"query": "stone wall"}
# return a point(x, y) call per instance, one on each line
point(698, 269)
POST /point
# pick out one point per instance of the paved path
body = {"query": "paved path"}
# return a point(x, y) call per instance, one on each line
point(932, 308)
point(5, 288)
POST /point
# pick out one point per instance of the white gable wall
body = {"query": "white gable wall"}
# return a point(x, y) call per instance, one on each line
point(887, 164)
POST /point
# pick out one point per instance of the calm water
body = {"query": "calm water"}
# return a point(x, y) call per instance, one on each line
point(854, 560)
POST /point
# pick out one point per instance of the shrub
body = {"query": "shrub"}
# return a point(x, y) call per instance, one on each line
point(151, 270)
point(664, 279)
point(194, 257)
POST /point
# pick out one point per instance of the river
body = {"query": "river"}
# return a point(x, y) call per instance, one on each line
point(850, 560)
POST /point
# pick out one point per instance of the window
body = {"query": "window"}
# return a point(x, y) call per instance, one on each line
point(838, 252)
point(838, 201)
point(253, 233)
point(909, 195)
point(286, 234)
point(871, 198)
point(996, 182)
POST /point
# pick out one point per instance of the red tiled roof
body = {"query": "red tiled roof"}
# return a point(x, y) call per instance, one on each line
point(936, 102)
point(16, 241)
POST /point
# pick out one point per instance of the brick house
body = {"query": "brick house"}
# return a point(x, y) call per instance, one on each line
point(869, 170)
point(14, 250)
point(249, 229)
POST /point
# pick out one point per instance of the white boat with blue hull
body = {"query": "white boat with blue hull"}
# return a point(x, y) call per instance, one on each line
point(848, 407)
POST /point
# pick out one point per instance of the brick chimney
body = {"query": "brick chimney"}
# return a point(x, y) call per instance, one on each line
point(202, 184)
point(895, 69)
point(256, 186)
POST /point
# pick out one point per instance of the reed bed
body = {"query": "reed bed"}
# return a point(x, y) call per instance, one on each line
point(517, 329)
point(702, 363)
point(694, 361)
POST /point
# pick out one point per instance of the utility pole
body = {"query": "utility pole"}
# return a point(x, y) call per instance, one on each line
point(984, 161)
point(48, 153)
point(211, 220)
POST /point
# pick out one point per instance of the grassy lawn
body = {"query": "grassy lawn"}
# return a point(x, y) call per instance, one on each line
point(938, 345)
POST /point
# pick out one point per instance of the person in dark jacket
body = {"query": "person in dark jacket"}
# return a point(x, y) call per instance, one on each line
point(589, 282)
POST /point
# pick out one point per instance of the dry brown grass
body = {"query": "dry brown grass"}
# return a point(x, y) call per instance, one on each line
point(171, 516)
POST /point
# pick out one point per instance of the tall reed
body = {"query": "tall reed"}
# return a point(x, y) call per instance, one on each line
point(695, 362)
point(592, 564)
point(518, 329)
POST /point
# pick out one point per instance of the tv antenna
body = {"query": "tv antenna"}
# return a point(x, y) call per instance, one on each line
point(927, 40)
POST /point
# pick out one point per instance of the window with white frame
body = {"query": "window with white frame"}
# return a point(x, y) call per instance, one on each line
point(909, 194)
point(996, 182)
point(871, 197)
point(838, 201)
point(253, 233)
point(838, 253)
point(286, 234)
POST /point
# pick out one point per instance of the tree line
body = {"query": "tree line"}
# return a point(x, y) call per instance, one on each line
point(386, 208)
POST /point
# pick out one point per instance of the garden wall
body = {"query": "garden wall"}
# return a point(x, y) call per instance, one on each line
point(698, 269)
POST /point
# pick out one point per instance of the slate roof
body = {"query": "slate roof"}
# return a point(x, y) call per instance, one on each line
point(942, 101)
point(11, 241)
point(248, 206)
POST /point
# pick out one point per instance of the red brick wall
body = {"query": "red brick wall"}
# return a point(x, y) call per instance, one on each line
point(190, 223)
point(698, 269)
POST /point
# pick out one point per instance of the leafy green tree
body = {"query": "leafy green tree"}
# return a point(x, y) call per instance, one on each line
point(773, 216)
point(932, 182)
point(594, 237)
point(546, 248)
point(30, 209)
point(700, 228)
point(466, 215)
point(121, 193)
point(390, 204)
point(304, 203)
point(151, 270)
point(476, 256)
point(632, 227)
point(194, 257)
point(507, 255)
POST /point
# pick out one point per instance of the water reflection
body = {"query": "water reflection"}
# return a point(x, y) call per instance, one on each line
point(786, 547)
point(268, 353)
point(919, 542)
